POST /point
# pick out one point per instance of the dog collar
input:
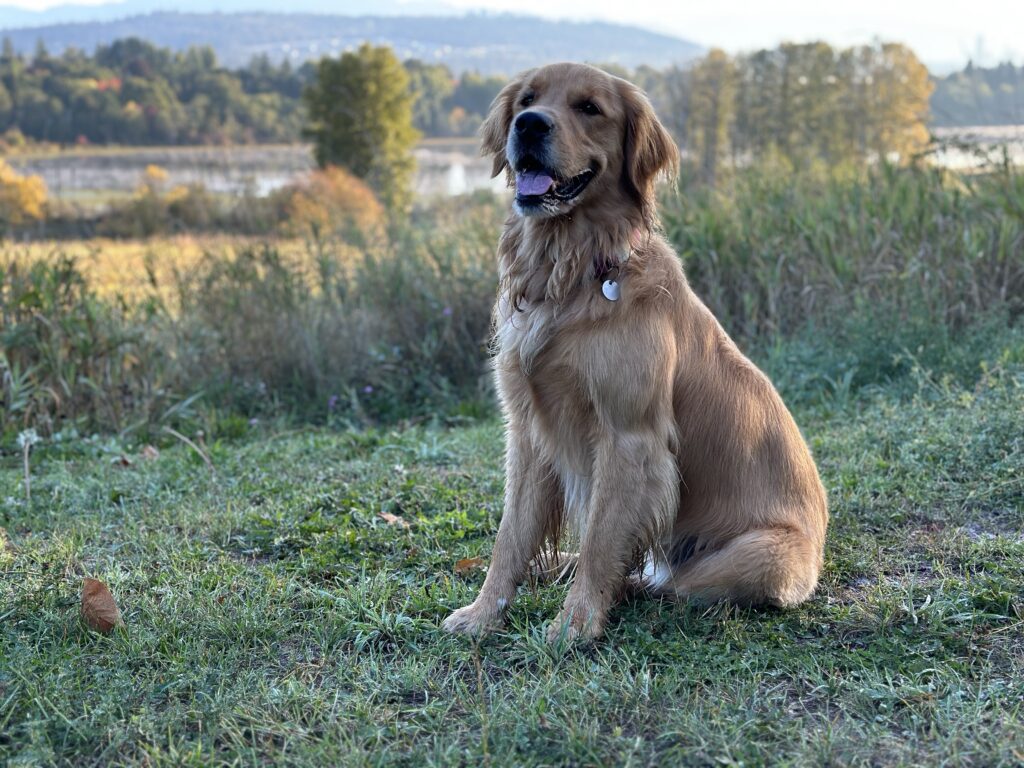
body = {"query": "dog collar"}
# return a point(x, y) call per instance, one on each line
point(609, 274)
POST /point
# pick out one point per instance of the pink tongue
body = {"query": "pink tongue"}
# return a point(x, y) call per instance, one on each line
point(533, 183)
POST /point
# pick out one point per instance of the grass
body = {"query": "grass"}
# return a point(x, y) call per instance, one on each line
point(135, 269)
point(273, 617)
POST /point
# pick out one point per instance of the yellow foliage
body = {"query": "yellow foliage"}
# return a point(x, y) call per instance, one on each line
point(175, 195)
point(333, 199)
point(155, 174)
point(21, 197)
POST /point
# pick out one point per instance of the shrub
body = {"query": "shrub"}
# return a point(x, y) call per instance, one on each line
point(66, 356)
point(394, 331)
point(333, 203)
point(21, 198)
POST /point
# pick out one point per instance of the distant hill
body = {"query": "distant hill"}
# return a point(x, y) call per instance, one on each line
point(108, 10)
point(980, 96)
point(488, 43)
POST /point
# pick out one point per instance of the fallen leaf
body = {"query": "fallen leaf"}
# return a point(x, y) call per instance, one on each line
point(98, 607)
point(149, 453)
point(390, 519)
point(467, 564)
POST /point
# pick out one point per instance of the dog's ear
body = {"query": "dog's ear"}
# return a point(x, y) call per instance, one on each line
point(494, 130)
point(650, 150)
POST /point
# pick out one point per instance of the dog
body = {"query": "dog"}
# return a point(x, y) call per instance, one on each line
point(631, 416)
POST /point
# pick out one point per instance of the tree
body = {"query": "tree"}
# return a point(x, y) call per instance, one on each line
point(432, 86)
point(471, 99)
point(901, 90)
point(360, 111)
point(712, 111)
point(805, 104)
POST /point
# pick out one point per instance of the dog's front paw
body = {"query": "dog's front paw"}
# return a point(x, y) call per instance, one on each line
point(477, 618)
point(580, 622)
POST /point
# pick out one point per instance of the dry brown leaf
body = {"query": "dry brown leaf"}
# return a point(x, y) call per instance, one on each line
point(467, 564)
point(391, 519)
point(149, 453)
point(98, 607)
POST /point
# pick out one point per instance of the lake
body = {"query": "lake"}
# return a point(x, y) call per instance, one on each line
point(444, 167)
point(971, 147)
point(91, 174)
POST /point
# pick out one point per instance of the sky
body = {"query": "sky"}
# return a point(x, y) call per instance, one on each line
point(944, 34)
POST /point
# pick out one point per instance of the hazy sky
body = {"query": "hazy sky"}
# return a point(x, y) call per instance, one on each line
point(945, 34)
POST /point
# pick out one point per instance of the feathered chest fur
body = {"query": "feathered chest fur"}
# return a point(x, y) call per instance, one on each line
point(550, 282)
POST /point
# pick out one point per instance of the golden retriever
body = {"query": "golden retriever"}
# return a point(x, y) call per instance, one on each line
point(631, 415)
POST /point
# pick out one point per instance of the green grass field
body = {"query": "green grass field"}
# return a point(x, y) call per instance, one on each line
point(274, 617)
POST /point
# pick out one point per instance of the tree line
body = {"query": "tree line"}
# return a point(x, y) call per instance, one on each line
point(803, 104)
point(980, 96)
point(132, 92)
point(135, 93)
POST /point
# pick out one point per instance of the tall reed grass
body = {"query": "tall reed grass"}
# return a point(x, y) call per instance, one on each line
point(834, 283)
point(772, 252)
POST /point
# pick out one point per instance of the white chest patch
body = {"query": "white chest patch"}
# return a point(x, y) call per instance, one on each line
point(656, 571)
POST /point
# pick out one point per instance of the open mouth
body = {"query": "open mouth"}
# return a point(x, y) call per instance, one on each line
point(536, 185)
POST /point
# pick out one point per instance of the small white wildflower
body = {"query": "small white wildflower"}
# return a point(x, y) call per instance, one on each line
point(28, 438)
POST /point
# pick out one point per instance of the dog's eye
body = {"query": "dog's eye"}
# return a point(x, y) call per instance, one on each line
point(526, 101)
point(588, 108)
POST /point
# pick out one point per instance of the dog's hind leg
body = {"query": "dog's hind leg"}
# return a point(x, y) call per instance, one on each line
point(774, 566)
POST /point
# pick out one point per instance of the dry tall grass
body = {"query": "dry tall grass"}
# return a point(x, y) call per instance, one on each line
point(834, 283)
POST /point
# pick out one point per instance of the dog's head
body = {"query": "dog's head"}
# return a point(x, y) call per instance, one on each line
point(571, 133)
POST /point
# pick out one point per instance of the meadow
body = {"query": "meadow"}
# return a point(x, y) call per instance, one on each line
point(283, 573)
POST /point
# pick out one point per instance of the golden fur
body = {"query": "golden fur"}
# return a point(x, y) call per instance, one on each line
point(638, 422)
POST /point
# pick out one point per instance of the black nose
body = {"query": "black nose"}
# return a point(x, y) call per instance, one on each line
point(533, 125)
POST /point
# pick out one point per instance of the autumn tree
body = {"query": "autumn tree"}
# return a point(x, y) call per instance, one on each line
point(360, 111)
point(898, 103)
point(807, 104)
point(711, 111)
point(21, 198)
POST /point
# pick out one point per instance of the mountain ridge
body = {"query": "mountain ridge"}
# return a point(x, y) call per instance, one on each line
point(12, 16)
point(488, 43)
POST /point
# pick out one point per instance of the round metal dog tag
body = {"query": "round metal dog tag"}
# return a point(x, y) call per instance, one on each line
point(610, 289)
